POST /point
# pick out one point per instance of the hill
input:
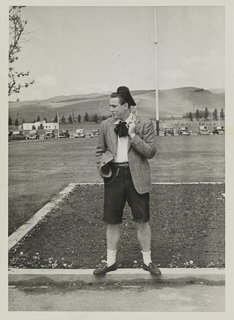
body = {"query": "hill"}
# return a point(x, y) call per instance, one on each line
point(172, 102)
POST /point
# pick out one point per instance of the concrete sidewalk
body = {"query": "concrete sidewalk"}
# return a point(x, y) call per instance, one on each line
point(125, 290)
point(116, 297)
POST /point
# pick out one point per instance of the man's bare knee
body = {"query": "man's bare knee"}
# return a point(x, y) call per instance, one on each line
point(143, 226)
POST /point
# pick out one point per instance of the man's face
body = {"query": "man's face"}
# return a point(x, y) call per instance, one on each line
point(118, 111)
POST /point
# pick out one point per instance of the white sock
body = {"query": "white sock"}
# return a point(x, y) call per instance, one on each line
point(146, 257)
point(111, 257)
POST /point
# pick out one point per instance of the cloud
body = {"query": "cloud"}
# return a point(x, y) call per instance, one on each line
point(173, 74)
point(197, 71)
point(172, 78)
point(208, 69)
point(43, 87)
point(47, 81)
point(91, 89)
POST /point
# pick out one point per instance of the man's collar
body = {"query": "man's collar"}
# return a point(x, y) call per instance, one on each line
point(127, 120)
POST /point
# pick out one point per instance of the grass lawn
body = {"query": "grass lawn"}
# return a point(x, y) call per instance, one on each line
point(39, 169)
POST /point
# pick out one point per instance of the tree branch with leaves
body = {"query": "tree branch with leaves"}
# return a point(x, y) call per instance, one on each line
point(16, 31)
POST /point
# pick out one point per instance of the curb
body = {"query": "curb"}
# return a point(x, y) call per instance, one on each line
point(75, 276)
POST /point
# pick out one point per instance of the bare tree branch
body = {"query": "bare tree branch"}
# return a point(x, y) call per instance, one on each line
point(16, 30)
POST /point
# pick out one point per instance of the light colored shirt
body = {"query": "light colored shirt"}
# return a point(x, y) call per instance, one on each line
point(122, 146)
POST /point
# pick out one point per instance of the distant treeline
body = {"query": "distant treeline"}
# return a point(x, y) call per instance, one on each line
point(205, 114)
point(198, 115)
point(71, 119)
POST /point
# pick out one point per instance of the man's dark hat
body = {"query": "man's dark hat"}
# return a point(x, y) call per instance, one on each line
point(126, 95)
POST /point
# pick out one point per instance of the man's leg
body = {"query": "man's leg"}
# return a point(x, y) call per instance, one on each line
point(112, 237)
point(144, 237)
point(114, 202)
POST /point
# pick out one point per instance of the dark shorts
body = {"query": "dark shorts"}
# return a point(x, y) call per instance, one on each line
point(119, 188)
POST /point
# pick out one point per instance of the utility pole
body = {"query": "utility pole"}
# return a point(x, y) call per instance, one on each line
point(156, 73)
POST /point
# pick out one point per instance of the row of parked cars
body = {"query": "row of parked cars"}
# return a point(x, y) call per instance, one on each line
point(184, 131)
point(80, 133)
point(34, 135)
point(202, 130)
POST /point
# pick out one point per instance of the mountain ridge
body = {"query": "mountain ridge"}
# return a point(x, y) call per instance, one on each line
point(174, 102)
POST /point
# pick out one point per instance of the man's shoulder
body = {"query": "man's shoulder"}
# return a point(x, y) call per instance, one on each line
point(143, 120)
point(107, 121)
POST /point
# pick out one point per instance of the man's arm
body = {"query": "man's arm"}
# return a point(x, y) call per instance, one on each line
point(147, 145)
point(101, 147)
point(103, 156)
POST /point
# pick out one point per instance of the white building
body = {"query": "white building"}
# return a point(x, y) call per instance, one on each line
point(40, 125)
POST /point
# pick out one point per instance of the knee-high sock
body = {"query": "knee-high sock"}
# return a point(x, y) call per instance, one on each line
point(146, 257)
point(111, 257)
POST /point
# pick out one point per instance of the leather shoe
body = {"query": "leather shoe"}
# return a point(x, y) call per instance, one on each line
point(152, 268)
point(103, 269)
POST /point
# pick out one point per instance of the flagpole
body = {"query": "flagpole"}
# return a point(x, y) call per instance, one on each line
point(156, 73)
point(58, 122)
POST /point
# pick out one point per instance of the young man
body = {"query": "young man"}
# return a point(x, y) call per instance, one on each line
point(126, 141)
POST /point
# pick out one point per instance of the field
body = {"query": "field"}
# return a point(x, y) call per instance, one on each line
point(38, 170)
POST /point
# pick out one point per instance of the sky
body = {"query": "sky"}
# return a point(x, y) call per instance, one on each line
point(74, 49)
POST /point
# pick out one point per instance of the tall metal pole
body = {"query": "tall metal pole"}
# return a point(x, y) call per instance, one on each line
point(58, 122)
point(156, 73)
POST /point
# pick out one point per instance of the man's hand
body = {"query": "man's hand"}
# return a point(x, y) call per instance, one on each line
point(131, 127)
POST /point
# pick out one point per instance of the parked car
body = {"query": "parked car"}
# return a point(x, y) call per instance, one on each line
point(168, 132)
point(94, 133)
point(64, 134)
point(16, 135)
point(203, 130)
point(49, 135)
point(80, 133)
point(33, 136)
point(184, 131)
point(218, 130)
point(10, 133)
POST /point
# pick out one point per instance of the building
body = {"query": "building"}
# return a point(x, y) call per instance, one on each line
point(40, 125)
